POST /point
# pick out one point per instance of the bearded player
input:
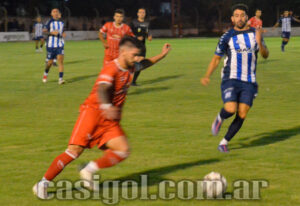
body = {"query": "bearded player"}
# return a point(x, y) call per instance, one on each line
point(240, 46)
point(99, 119)
point(114, 32)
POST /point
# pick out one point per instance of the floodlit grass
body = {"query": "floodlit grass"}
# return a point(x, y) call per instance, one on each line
point(167, 120)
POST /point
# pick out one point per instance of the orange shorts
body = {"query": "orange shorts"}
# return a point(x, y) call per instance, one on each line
point(93, 129)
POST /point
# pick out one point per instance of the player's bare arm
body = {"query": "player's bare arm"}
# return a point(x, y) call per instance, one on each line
point(211, 68)
point(103, 40)
point(263, 50)
point(105, 92)
point(153, 60)
point(276, 25)
point(296, 20)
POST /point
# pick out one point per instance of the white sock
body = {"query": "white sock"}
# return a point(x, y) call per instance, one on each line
point(223, 142)
point(45, 74)
point(44, 181)
point(91, 167)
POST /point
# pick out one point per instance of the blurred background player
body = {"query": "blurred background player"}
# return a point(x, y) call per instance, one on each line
point(140, 28)
point(55, 59)
point(100, 115)
point(38, 34)
point(286, 27)
point(55, 44)
point(256, 21)
point(114, 32)
point(239, 88)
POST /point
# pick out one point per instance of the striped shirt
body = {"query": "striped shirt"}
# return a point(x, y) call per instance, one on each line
point(240, 49)
point(286, 23)
point(55, 41)
point(38, 29)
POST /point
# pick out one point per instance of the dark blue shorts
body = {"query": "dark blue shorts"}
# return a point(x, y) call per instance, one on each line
point(238, 91)
point(38, 38)
point(53, 52)
point(285, 34)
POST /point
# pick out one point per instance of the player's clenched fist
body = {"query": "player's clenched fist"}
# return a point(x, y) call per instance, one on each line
point(205, 81)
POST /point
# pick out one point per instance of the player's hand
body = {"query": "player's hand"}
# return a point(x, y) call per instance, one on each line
point(64, 35)
point(141, 38)
point(205, 81)
point(55, 33)
point(258, 35)
point(150, 38)
point(112, 113)
point(166, 49)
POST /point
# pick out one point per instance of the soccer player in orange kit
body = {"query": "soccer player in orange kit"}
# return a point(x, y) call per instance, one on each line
point(100, 114)
point(114, 31)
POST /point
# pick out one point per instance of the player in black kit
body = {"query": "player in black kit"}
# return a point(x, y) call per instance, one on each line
point(140, 28)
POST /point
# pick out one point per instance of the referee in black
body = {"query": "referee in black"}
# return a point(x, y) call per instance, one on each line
point(140, 28)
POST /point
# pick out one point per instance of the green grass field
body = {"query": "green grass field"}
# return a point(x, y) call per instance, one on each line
point(167, 120)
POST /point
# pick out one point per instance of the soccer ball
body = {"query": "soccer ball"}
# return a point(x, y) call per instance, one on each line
point(214, 185)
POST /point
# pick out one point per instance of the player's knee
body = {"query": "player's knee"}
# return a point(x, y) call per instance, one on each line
point(76, 150)
point(122, 154)
point(243, 114)
point(231, 110)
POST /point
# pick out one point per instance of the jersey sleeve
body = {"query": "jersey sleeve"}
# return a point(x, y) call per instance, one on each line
point(107, 75)
point(222, 45)
point(104, 28)
point(129, 31)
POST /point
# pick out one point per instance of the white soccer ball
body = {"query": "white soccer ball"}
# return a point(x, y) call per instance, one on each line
point(214, 185)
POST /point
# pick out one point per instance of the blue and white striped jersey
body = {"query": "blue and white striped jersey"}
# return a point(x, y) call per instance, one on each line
point(286, 23)
point(240, 49)
point(38, 29)
point(55, 41)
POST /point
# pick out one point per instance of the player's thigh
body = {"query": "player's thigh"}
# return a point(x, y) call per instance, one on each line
point(118, 144)
point(114, 138)
point(230, 107)
point(60, 58)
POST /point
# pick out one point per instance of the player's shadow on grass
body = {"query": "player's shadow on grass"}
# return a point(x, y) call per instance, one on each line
point(160, 79)
point(269, 138)
point(76, 61)
point(80, 78)
point(156, 175)
point(147, 90)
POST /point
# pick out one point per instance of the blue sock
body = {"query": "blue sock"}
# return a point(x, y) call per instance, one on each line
point(61, 74)
point(234, 127)
point(224, 114)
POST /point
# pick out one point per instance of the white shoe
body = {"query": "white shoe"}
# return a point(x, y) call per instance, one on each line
point(88, 180)
point(61, 81)
point(40, 50)
point(44, 79)
point(40, 190)
point(37, 50)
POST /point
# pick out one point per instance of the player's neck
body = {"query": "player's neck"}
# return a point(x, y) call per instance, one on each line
point(258, 17)
point(141, 19)
point(117, 24)
point(241, 29)
point(120, 61)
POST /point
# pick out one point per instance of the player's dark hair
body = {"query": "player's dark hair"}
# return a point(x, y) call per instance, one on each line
point(242, 7)
point(143, 9)
point(120, 11)
point(130, 42)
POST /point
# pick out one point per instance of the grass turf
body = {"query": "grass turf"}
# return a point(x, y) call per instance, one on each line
point(167, 120)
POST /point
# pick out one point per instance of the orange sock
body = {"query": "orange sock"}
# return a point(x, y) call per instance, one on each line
point(110, 158)
point(58, 164)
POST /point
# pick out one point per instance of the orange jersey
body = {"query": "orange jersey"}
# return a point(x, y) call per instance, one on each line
point(114, 35)
point(255, 22)
point(112, 74)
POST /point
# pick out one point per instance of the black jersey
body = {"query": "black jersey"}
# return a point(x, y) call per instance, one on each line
point(140, 29)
